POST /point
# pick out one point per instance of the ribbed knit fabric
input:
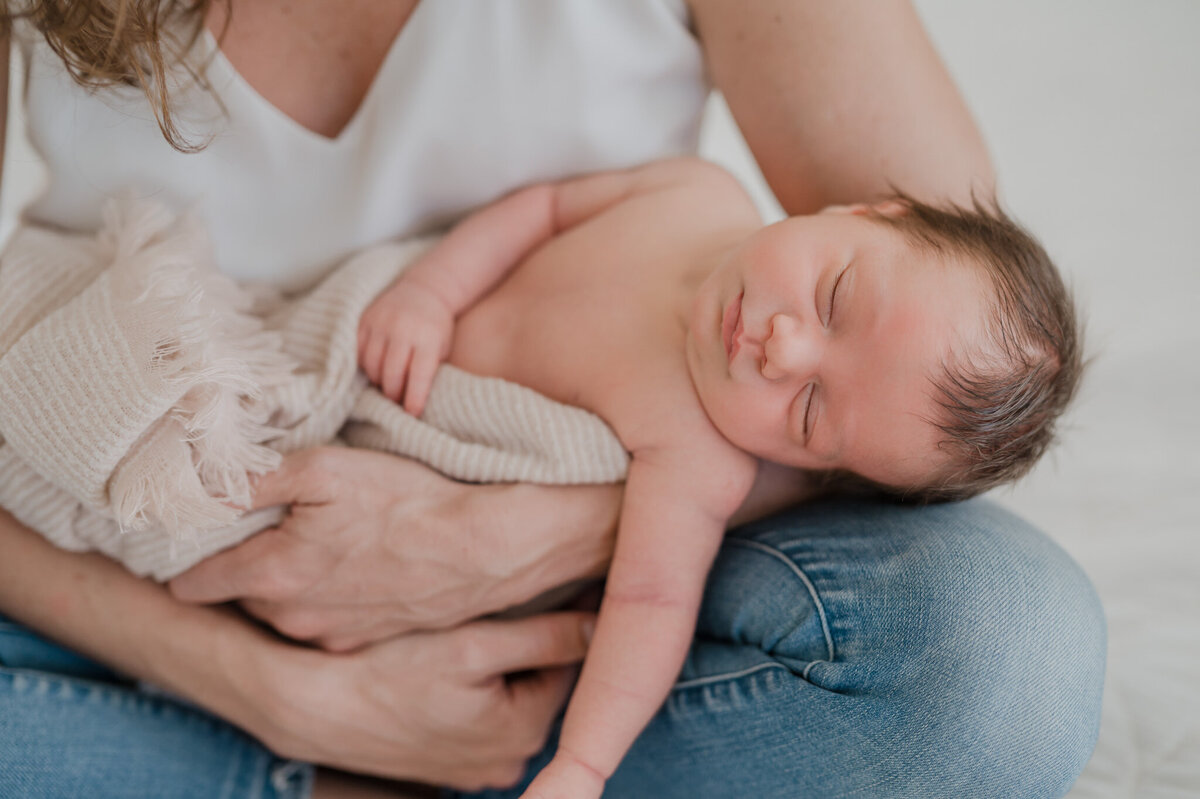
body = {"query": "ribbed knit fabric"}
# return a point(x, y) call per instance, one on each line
point(139, 390)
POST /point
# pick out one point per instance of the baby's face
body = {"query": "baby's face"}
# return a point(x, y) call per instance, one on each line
point(814, 344)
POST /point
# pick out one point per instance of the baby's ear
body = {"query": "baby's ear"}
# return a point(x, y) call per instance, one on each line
point(889, 208)
point(892, 209)
point(857, 209)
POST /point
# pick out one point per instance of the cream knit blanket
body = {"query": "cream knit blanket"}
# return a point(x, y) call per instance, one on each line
point(140, 389)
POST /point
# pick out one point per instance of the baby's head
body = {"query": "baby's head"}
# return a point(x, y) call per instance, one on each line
point(998, 404)
point(926, 350)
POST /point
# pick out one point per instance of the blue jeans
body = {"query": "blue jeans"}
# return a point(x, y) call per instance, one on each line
point(843, 650)
point(71, 728)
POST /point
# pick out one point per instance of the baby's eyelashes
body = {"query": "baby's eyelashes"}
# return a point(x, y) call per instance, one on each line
point(810, 417)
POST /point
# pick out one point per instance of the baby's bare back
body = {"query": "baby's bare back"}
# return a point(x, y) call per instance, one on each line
point(595, 317)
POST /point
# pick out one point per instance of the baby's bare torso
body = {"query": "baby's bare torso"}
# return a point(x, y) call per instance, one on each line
point(597, 316)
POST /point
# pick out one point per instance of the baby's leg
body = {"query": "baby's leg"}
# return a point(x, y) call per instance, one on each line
point(863, 650)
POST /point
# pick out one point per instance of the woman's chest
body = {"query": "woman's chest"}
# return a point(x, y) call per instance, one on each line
point(470, 100)
point(313, 60)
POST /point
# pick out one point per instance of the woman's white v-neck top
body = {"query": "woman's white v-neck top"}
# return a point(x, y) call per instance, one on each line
point(473, 100)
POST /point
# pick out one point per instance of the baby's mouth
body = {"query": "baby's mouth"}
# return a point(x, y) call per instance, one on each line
point(731, 327)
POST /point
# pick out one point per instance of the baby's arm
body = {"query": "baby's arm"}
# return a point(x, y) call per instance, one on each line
point(671, 527)
point(406, 333)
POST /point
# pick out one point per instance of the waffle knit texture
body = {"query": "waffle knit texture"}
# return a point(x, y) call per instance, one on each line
point(140, 390)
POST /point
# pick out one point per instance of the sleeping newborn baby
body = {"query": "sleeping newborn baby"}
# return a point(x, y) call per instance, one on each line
point(924, 351)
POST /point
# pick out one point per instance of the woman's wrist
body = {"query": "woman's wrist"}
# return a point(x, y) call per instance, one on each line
point(92, 605)
point(224, 663)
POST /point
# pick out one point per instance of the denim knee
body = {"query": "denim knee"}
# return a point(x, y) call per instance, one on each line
point(1041, 645)
point(972, 639)
point(858, 650)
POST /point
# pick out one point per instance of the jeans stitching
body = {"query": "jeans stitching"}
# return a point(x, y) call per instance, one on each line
point(82, 689)
point(733, 675)
point(812, 590)
point(248, 766)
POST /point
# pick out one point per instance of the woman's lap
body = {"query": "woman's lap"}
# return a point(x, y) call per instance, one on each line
point(842, 650)
point(876, 651)
point(71, 728)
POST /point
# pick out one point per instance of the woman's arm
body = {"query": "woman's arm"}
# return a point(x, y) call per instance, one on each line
point(90, 604)
point(839, 101)
point(432, 707)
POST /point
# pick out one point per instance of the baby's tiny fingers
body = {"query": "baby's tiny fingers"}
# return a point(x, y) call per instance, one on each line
point(420, 379)
point(395, 369)
point(372, 358)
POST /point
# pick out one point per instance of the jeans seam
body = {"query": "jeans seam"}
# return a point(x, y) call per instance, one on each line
point(733, 675)
point(143, 702)
point(808, 584)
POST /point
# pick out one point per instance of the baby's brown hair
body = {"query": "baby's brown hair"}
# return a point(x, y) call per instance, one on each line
point(998, 408)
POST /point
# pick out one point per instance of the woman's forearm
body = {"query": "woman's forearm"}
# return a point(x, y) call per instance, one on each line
point(92, 605)
point(435, 707)
point(842, 102)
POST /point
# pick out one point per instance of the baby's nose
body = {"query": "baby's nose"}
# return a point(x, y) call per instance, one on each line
point(791, 349)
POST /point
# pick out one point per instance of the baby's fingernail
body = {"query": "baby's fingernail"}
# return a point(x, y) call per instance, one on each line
point(588, 628)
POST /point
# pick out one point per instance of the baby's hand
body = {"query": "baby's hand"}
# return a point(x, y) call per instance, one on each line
point(402, 338)
point(566, 777)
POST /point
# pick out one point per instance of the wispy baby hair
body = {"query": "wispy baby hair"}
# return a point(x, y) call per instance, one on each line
point(999, 408)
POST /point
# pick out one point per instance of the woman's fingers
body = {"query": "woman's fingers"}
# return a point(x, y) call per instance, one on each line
point(492, 648)
point(539, 696)
point(305, 477)
point(250, 569)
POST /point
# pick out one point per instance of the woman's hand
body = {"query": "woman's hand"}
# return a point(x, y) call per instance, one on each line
point(377, 545)
point(433, 707)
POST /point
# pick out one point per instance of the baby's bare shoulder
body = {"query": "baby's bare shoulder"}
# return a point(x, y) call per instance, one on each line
point(700, 465)
point(661, 419)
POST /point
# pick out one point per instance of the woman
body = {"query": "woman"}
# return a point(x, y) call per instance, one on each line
point(842, 649)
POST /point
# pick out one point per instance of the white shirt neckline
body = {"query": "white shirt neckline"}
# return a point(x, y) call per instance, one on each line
point(348, 132)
